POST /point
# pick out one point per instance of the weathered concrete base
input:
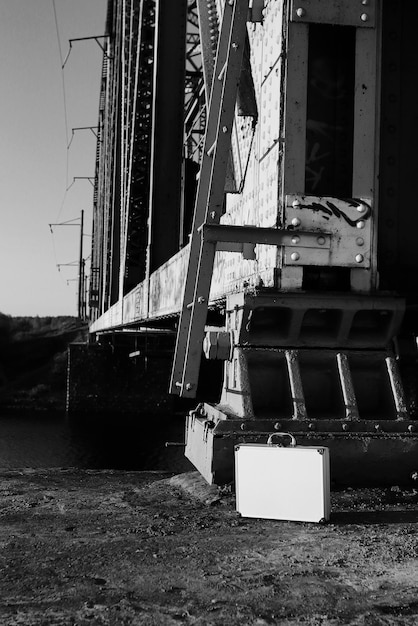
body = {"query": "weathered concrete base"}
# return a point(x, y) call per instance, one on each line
point(104, 379)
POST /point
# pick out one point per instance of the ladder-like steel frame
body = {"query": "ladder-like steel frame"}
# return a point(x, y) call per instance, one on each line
point(210, 197)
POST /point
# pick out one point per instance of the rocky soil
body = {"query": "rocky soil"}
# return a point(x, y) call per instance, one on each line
point(123, 548)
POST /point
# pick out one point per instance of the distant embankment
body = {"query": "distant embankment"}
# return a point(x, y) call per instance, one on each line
point(33, 360)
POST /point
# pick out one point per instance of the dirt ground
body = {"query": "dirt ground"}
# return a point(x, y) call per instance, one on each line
point(123, 548)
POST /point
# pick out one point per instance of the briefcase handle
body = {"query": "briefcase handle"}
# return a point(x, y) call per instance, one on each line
point(292, 439)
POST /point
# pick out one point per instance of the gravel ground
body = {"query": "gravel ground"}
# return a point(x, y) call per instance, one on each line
point(124, 548)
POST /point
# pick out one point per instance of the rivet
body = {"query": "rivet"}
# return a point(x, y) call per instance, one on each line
point(377, 427)
point(411, 428)
point(213, 214)
point(295, 221)
point(360, 241)
point(277, 426)
point(295, 239)
point(311, 426)
point(361, 208)
point(321, 240)
point(365, 2)
point(243, 426)
point(295, 256)
point(364, 17)
point(296, 204)
point(345, 427)
point(188, 386)
point(300, 12)
point(359, 258)
point(360, 224)
point(201, 300)
point(224, 129)
point(235, 46)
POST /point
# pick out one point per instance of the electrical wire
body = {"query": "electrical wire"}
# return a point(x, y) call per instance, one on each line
point(54, 250)
point(65, 107)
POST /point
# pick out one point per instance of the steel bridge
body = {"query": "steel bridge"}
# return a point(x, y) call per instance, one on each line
point(253, 196)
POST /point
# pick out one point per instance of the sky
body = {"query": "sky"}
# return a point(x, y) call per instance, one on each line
point(37, 169)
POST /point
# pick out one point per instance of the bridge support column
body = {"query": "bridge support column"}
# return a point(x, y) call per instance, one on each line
point(320, 367)
point(103, 379)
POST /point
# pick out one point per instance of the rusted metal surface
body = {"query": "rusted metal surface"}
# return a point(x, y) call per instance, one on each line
point(295, 384)
point(314, 343)
point(166, 286)
point(343, 12)
point(348, 222)
point(210, 198)
point(358, 457)
point(347, 387)
point(269, 161)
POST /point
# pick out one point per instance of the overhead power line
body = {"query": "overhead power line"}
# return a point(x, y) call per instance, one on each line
point(64, 103)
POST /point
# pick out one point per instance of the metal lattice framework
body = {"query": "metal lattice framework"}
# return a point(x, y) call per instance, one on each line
point(125, 128)
point(121, 193)
point(139, 58)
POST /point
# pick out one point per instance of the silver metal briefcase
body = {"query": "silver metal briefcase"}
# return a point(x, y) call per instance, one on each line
point(284, 483)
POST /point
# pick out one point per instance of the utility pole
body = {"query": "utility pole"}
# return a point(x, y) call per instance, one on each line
point(81, 298)
point(81, 270)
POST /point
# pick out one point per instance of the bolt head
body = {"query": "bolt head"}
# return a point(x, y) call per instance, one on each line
point(360, 224)
point(411, 428)
point(359, 258)
point(364, 17)
point(295, 239)
point(295, 256)
point(295, 221)
point(300, 12)
point(224, 129)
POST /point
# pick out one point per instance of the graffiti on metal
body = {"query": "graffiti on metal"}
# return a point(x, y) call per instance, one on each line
point(329, 208)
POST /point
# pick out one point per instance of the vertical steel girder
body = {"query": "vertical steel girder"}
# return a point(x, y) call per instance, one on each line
point(137, 146)
point(167, 131)
point(210, 198)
